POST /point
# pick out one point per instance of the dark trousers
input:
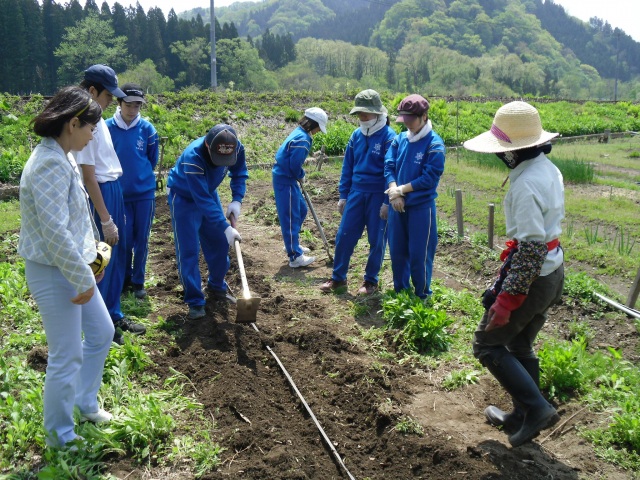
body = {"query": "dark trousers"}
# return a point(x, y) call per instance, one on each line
point(520, 333)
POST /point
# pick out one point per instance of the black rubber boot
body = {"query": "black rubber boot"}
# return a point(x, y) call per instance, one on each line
point(512, 421)
point(511, 374)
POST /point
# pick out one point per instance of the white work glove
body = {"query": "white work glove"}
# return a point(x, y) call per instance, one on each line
point(394, 192)
point(341, 204)
point(384, 211)
point(110, 232)
point(398, 204)
point(231, 234)
point(234, 209)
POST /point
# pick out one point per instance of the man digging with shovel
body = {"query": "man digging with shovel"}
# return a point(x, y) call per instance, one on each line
point(197, 217)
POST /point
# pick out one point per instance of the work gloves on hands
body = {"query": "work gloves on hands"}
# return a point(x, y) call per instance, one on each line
point(232, 234)
point(234, 209)
point(341, 204)
point(394, 192)
point(396, 198)
point(500, 311)
point(110, 232)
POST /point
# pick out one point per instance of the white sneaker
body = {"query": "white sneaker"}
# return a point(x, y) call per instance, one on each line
point(304, 249)
point(101, 416)
point(302, 261)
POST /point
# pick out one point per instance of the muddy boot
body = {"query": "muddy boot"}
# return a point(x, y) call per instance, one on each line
point(512, 421)
point(511, 374)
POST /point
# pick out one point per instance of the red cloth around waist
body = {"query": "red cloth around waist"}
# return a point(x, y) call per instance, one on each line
point(512, 244)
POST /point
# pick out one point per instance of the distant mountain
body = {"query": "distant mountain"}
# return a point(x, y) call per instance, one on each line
point(530, 29)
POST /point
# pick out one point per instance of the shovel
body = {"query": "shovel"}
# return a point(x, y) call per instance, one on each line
point(315, 217)
point(246, 307)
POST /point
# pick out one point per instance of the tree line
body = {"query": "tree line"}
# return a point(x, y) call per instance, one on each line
point(44, 46)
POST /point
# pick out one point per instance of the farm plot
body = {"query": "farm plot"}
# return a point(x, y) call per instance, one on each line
point(387, 419)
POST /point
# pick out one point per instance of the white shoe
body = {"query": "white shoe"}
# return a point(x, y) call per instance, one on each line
point(302, 261)
point(304, 249)
point(101, 416)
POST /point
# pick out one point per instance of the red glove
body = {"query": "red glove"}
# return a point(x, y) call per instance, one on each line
point(501, 309)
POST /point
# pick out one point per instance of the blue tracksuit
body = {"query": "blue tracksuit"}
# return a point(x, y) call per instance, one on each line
point(362, 184)
point(137, 149)
point(413, 235)
point(290, 203)
point(198, 219)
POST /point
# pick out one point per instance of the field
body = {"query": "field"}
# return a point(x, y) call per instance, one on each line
point(207, 398)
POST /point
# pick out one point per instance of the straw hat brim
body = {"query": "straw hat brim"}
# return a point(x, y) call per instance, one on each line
point(487, 142)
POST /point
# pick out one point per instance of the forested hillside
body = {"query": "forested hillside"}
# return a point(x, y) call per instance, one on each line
point(438, 47)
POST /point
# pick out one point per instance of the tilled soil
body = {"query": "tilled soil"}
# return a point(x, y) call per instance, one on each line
point(358, 398)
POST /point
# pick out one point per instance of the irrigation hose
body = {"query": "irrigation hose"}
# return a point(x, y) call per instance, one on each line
point(309, 411)
point(629, 311)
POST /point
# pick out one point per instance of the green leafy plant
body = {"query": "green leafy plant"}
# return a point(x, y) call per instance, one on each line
point(421, 328)
point(459, 378)
point(408, 425)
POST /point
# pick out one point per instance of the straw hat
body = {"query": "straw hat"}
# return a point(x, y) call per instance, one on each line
point(516, 125)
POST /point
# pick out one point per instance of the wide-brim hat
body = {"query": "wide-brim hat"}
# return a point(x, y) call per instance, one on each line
point(368, 101)
point(516, 125)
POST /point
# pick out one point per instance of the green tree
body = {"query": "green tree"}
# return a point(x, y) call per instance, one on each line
point(193, 55)
point(91, 41)
point(146, 75)
point(240, 63)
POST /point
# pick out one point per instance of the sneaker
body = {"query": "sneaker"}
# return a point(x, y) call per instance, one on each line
point(221, 296)
point(305, 250)
point(367, 288)
point(118, 338)
point(101, 416)
point(138, 290)
point(332, 285)
point(129, 326)
point(302, 261)
point(196, 311)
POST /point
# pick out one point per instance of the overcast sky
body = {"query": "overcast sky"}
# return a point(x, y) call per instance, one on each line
point(623, 14)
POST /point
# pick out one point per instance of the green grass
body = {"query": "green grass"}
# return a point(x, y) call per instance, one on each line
point(10, 214)
point(128, 391)
point(604, 382)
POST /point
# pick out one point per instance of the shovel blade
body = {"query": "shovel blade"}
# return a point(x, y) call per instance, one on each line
point(247, 310)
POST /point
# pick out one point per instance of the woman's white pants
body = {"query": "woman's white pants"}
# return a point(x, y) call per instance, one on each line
point(75, 364)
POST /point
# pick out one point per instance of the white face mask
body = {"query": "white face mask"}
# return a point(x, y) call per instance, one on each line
point(368, 123)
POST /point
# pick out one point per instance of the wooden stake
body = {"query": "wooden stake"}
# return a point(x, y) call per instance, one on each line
point(492, 209)
point(459, 213)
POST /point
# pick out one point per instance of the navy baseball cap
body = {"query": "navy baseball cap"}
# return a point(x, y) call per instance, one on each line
point(105, 76)
point(222, 143)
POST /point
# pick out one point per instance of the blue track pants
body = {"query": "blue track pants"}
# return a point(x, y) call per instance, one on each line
point(191, 233)
point(413, 238)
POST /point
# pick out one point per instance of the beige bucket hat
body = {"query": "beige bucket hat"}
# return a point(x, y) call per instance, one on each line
point(516, 125)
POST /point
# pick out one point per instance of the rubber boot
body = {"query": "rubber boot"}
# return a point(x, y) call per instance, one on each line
point(512, 421)
point(539, 414)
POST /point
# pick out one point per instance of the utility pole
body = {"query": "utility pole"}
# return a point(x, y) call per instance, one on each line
point(214, 75)
point(615, 85)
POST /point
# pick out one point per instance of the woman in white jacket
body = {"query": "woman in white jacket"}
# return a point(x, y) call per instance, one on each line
point(58, 243)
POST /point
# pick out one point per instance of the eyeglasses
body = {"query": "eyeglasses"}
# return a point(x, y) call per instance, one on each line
point(94, 129)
